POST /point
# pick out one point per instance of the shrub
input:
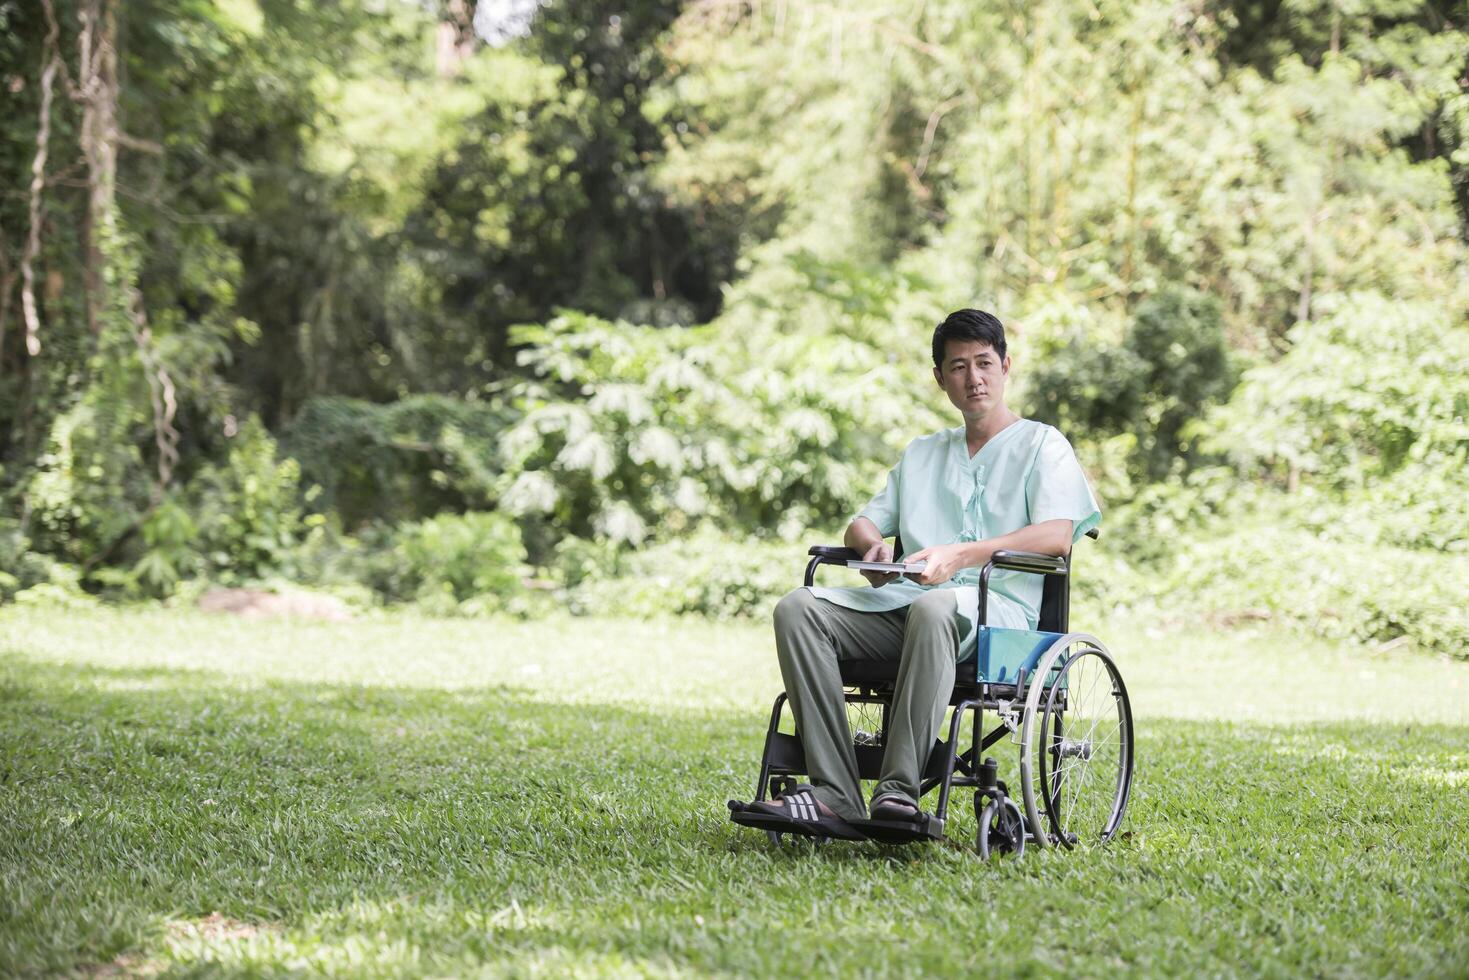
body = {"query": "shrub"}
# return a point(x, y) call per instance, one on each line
point(702, 575)
point(782, 418)
point(443, 561)
point(1373, 386)
point(705, 574)
point(23, 570)
point(405, 460)
point(1170, 367)
point(89, 486)
point(1342, 589)
point(245, 513)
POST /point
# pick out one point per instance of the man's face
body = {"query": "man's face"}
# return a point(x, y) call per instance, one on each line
point(973, 376)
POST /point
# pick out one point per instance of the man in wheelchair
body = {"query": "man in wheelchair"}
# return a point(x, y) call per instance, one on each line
point(997, 482)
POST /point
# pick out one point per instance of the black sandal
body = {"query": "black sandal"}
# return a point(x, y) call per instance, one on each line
point(896, 821)
point(800, 815)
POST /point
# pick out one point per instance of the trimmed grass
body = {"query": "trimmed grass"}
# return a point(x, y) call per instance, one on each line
point(189, 794)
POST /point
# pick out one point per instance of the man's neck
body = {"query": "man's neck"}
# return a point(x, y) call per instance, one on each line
point(981, 429)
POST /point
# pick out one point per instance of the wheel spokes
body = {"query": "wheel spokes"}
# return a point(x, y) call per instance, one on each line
point(1087, 785)
point(1076, 744)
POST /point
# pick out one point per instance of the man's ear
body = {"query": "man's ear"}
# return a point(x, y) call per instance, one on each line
point(1005, 366)
point(938, 377)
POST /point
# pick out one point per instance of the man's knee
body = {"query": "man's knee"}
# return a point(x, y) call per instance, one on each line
point(934, 614)
point(935, 608)
point(794, 609)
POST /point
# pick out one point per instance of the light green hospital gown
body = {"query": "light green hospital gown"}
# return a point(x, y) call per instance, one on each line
point(939, 494)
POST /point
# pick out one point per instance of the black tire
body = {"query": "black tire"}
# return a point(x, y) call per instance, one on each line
point(1001, 828)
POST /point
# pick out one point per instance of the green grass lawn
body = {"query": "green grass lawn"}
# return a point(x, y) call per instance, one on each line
point(188, 794)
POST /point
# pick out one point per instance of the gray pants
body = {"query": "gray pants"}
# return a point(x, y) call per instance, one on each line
point(812, 635)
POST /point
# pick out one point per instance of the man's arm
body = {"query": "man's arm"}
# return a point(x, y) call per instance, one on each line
point(864, 538)
point(945, 560)
point(861, 535)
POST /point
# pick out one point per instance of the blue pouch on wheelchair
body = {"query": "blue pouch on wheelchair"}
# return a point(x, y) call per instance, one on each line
point(1003, 653)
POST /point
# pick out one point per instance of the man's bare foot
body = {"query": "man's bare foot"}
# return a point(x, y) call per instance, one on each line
point(890, 806)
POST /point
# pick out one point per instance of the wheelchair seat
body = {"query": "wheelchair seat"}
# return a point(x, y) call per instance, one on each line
point(1053, 617)
point(998, 657)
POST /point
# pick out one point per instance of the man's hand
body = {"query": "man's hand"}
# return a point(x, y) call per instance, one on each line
point(882, 551)
point(944, 561)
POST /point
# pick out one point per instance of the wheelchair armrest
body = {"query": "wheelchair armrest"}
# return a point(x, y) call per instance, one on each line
point(1017, 561)
point(1029, 561)
point(825, 554)
point(831, 553)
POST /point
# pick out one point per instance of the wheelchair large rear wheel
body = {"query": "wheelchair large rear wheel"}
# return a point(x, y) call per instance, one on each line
point(1076, 755)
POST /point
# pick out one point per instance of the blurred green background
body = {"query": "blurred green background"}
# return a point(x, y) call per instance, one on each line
point(514, 307)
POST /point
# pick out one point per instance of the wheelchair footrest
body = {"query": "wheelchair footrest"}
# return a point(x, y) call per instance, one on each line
point(762, 821)
point(902, 831)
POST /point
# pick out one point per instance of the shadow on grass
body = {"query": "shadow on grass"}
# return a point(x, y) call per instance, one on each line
point(485, 827)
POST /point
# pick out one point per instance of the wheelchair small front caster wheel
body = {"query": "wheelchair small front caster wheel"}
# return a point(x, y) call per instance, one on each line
point(1001, 829)
point(775, 837)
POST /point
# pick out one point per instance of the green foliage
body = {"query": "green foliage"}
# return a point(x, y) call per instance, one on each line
point(232, 521)
point(168, 537)
point(632, 433)
point(630, 276)
point(23, 568)
point(1374, 386)
point(89, 485)
point(464, 563)
point(704, 574)
point(1421, 507)
point(1171, 366)
point(403, 460)
point(569, 127)
point(1375, 566)
point(245, 513)
point(1329, 584)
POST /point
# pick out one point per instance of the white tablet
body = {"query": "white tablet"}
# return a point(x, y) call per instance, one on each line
point(897, 567)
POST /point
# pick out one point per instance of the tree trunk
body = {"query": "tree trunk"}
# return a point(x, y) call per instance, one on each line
point(100, 136)
point(97, 90)
point(1303, 300)
point(456, 38)
point(7, 283)
point(51, 64)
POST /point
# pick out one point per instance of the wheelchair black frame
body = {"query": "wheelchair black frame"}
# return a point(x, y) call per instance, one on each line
point(784, 758)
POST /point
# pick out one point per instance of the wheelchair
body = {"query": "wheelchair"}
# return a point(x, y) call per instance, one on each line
point(1056, 695)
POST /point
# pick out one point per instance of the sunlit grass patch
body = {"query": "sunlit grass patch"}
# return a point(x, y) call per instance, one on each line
point(183, 793)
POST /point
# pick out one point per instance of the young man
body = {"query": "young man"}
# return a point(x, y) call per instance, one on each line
point(954, 499)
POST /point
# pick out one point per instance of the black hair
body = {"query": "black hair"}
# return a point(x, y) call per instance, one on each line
point(969, 325)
